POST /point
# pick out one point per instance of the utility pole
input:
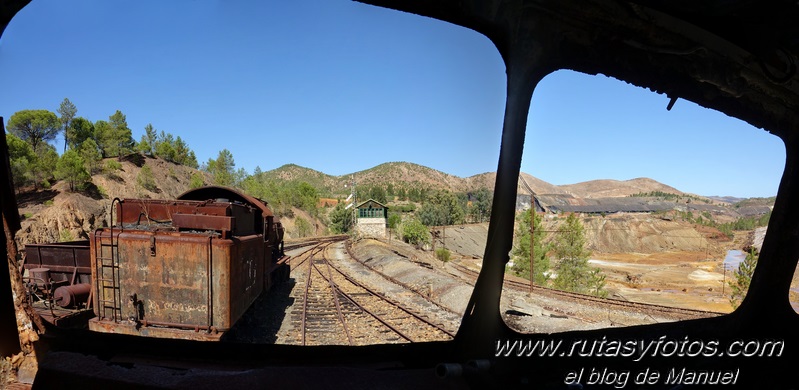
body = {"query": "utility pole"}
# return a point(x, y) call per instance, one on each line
point(532, 245)
point(355, 204)
point(724, 279)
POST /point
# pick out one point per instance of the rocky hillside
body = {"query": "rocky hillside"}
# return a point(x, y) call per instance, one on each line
point(59, 215)
point(56, 214)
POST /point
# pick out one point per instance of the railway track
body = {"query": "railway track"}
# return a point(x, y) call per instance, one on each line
point(296, 244)
point(337, 309)
point(398, 282)
point(322, 321)
point(644, 308)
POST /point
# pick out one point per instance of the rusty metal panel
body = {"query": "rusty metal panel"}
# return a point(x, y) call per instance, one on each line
point(152, 330)
point(66, 261)
point(247, 268)
point(203, 222)
point(144, 211)
point(136, 211)
point(69, 254)
point(171, 285)
point(174, 286)
point(245, 219)
point(214, 192)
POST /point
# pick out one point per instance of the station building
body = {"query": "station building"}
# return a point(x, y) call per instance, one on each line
point(372, 219)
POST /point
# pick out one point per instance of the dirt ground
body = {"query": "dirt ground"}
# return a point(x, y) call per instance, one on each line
point(660, 262)
point(680, 279)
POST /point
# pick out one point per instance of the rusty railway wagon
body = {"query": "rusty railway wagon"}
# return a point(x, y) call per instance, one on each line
point(186, 268)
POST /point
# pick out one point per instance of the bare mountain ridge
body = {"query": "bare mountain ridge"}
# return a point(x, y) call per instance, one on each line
point(410, 175)
point(614, 188)
point(57, 214)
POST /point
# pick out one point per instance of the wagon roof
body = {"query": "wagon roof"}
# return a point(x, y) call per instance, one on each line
point(216, 192)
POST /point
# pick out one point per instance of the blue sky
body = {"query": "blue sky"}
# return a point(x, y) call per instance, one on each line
point(339, 87)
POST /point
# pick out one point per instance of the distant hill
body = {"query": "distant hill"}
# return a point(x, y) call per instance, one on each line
point(755, 202)
point(292, 172)
point(726, 199)
point(541, 187)
point(402, 174)
point(399, 174)
point(615, 188)
point(410, 175)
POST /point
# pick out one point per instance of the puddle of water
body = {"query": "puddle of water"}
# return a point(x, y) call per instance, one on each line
point(733, 259)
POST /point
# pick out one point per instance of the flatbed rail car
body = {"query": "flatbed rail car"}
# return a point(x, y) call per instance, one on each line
point(187, 268)
point(58, 275)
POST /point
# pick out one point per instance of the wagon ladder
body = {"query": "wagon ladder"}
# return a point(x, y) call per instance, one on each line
point(107, 270)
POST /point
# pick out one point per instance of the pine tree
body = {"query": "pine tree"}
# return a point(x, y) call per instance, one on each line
point(222, 169)
point(196, 180)
point(340, 219)
point(121, 139)
point(67, 111)
point(22, 160)
point(80, 129)
point(71, 168)
point(35, 127)
point(151, 138)
point(574, 273)
point(91, 155)
point(742, 278)
point(521, 248)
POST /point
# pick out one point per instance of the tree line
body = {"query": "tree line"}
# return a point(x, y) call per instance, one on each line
point(35, 161)
point(727, 228)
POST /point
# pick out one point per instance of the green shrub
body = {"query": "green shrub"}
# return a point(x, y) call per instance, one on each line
point(404, 208)
point(48, 203)
point(196, 180)
point(303, 227)
point(112, 166)
point(145, 178)
point(415, 233)
point(443, 254)
point(66, 236)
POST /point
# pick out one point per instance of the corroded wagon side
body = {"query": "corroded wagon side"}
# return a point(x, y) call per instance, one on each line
point(58, 275)
point(185, 268)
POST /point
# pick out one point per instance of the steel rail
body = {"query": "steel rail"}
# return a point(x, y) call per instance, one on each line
point(386, 299)
point(334, 288)
point(305, 299)
point(306, 252)
point(602, 301)
point(395, 281)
